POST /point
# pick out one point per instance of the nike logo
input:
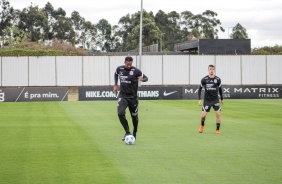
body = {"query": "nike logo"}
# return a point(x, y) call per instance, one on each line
point(166, 94)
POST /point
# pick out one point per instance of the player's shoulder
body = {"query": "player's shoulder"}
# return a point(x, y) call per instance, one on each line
point(205, 77)
point(216, 77)
point(121, 67)
point(134, 68)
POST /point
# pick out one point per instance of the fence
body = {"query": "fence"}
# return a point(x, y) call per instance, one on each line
point(161, 70)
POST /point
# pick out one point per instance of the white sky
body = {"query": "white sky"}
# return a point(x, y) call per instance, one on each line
point(261, 18)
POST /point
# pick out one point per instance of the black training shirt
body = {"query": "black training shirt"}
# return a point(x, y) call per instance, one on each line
point(212, 88)
point(128, 80)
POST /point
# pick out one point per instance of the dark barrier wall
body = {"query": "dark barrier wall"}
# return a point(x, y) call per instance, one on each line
point(144, 93)
point(238, 92)
point(31, 94)
point(182, 92)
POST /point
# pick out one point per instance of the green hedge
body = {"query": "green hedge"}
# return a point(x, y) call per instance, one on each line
point(22, 52)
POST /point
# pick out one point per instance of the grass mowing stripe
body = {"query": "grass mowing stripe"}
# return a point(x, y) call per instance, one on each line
point(45, 146)
point(168, 149)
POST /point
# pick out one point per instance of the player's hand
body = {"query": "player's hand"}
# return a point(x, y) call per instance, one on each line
point(200, 102)
point(140, 78)
point(222, 102)
point(115, 89)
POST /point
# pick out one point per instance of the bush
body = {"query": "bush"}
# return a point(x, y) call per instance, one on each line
point(22, 52)
point(276, 50)
point(35, 49)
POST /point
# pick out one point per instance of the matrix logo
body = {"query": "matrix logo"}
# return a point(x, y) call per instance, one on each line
point(2, 96)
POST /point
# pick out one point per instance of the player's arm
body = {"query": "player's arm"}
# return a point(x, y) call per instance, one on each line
point(115, 89)
point(199, 95)
point(200, 92)
point(143, 78)
point(220, 93)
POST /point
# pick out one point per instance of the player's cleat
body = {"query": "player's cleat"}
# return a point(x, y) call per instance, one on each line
point(217, 131)
point(201, 129)
point(134, 136)
point(125, 136)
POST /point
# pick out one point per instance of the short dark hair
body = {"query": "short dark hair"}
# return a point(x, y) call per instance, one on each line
point(128, 58)
point(211, 66)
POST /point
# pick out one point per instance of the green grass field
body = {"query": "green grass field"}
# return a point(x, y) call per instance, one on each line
point(80, 142)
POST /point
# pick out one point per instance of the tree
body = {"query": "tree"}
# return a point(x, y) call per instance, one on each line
point(239, 32)
point(125, 26)
point(106, 37)
point(85, 31)
point(49, 12)
point(169, 25)
point(63, 30)
point(130, 27)
point(88, 34)
point(34, 22)
point(203, 25)
point(6, 15)
point(13, 36)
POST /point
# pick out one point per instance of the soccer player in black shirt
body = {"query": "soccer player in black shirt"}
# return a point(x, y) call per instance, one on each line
point(129, 77)
point(212, 85)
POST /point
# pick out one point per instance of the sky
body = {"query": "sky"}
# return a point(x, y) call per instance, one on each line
point(261, 18)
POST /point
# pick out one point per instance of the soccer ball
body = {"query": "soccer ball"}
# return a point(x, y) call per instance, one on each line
point(129, 139)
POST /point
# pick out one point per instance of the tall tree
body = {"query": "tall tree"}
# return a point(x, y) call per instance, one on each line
point(130, 30)
point(107, 39)
point(170, 29)
point(210, 25)
point(88, 35)
point(85, 31)
point(49, 12)
point(239, 32)
point(34, 22)
point(125, 27)
point(6, 15)
point(203, 25)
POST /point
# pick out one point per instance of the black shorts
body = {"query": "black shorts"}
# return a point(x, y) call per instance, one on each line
point(208, 104)
point(131, 103)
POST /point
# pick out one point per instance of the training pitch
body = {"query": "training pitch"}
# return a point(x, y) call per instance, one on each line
point(80, 142)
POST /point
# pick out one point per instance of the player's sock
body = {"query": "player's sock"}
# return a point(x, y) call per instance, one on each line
point(202, 123)
point(217, 126)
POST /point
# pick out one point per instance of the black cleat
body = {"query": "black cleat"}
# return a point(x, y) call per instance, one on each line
point(125, 136)
point(134, 136)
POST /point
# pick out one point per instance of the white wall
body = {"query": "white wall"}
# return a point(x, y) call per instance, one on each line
point(274, 67)
point(14, 71)
point(253, 69)
point(199, 67)
point(42, 71)
point(92, 67)
point(152, 67)
point(229, 69)
point(69, 70)
point(173, 75)
point(161, 70)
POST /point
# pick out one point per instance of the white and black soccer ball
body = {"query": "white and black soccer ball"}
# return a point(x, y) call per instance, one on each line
point(129, 139)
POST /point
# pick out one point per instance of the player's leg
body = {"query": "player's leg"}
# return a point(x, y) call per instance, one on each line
point(205, 109)
point(122, 105)
point(133, 109)
point(217, 115)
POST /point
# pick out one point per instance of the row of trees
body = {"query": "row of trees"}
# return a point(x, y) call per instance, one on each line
point(46, 24)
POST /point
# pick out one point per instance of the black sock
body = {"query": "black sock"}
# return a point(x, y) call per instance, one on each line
point(202, 123)
point(217, 126)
